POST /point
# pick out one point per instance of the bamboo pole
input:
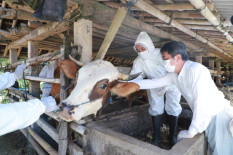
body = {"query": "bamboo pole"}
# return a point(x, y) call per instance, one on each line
point(162, 16)
point(37, 59)
point(33, 78)
point(116, 23)
point(199, 4)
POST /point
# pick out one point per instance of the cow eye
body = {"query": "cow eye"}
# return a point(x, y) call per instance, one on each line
point(103, 86)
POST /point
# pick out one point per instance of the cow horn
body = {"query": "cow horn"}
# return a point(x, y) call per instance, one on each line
point(79, 63)
point(128, 77)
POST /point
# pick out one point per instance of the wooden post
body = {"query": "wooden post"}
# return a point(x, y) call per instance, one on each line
point(83, 38)
point(19, 51)
point(116, 23)
point(64, 83)
point(199, 59)
point(5, 51)
point(13, 56)
point(211, 66)
point(34, 87)
point(218, 79)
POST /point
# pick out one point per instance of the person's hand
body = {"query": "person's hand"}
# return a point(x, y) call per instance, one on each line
point(19, 70)
point(49, 103)
point(184, 134)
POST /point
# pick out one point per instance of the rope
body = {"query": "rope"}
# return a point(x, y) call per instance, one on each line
point(129, 5)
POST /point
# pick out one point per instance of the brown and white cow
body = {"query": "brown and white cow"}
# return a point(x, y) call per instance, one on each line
point(95, 83)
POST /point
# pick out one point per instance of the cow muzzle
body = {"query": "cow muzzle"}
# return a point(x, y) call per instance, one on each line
point(66, 111)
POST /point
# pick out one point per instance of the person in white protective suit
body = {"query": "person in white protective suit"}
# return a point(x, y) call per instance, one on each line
point(149, 63)
point(47, 72)
point(19, 115)
point(212, 113)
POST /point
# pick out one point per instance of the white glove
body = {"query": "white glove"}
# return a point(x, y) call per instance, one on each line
point(49, 103)
point(231, 127)
point(184, 134)
point(19, 70)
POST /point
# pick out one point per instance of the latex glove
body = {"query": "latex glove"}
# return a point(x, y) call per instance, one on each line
point(184, 134)
point(231, 127)
point(49, 103)
point(19, 70)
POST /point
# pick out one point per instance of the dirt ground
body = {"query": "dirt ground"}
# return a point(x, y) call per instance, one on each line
point(14, 143)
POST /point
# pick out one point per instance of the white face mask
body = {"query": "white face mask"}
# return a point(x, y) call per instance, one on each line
point(144, 55)
point(168, 67)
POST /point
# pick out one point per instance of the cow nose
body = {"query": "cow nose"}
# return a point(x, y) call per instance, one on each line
point(67, 107)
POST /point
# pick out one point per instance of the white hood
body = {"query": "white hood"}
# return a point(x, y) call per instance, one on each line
point(144, 40)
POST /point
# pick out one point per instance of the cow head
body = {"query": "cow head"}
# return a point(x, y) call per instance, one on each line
point(94, 81)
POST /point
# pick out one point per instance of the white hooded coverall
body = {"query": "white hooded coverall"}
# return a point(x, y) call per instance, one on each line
point(18, 115)
point(212, 113)
point(151, 67)
point(47, 72)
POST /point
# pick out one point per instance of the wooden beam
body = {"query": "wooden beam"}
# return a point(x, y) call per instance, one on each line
point(19, 51)
point(162, 16)
point(101, 14)
point(17, 14)
point(13, 56)
point(19, 7)
point(34, 87)
point(40, 51)
point(193, 27)
point(83, 38)
point(116, 23)
point(199, 59)
point(41, 33)
point(34, 25)
point(3, 6)
point(183, 21)
point(14, 23)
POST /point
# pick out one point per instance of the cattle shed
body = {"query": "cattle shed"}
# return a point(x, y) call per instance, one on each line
point(107, 29)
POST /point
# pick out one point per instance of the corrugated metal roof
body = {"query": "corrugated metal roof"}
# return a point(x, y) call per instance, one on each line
point(225, 7)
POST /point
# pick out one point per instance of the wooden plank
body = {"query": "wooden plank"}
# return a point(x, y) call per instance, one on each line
point(34, 143)
point(42, 142)
point(83, 37)
point(13, 56)
point(116, 23)
point(64, 82)
point(33, 78)
point(51, 131)
point(34, 87)
point(74, 149)
point(19, 51)
point(40, 33)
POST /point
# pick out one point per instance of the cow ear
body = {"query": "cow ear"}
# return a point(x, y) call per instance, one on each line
point(69, 68)
point(123, 88)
